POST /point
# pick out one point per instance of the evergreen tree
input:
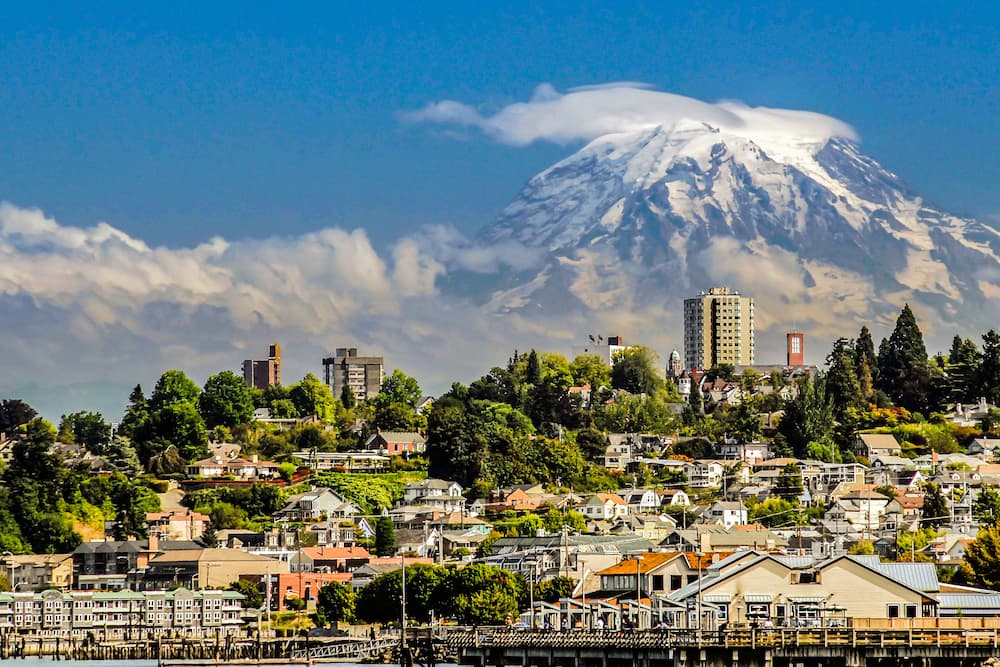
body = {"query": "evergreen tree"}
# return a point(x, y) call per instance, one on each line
point(903, 373)
point(864, 352)
point(695, 399)
point(935, 509)
point(964, 369)
point(808, 417)
point(14, 413)
point(986, 507)
point(533, 374)
point(841, 379)
point(989, 371)
point(385, 537)
point(347, 397)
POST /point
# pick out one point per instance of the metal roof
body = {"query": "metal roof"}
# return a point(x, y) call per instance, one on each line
point(919, 576)
point(969, 601)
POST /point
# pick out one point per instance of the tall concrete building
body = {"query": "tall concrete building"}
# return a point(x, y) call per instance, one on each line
point(718, 329)
point(264, 373)
point(363, 375)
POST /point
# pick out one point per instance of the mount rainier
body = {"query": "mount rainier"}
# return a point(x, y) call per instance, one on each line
point(821, 234)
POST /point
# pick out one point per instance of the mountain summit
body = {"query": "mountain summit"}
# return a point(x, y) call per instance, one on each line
point(817, 231)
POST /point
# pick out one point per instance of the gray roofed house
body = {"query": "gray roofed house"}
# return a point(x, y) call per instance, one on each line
point(313, 505)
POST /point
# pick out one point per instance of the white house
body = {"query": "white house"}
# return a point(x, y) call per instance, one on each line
point(604, 506)
point(436, 493)
point(704, 474)
point(727, 513)
point(641, 501)
point(674, 498)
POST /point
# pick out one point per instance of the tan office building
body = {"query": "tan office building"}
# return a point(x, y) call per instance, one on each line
point(718, 329)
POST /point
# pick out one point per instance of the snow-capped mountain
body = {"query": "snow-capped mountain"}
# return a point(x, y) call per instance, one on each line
point(817, 231)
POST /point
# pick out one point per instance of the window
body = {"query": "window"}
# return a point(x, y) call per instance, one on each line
point(911, 611)
point(676, 581)
point(692, 578)
point(657, 582)
point(893, 610)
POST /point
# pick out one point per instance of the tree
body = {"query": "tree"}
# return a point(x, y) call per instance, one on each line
point(385, 537)
point(178, 424)
point(593, 444)
point(380, 601)
point(312, 397)
point(989, 372)
point(808, 417)
point(695, 399)
point(456, 442)
point(335, 602)
point(635, 370)
point(902, 364)
point(789, 483)
point(555, 589)
point(533, 373)
point(87, 429)
point(865, 361)
point(135, 423)
point(226, 401)
point(983, 556)
point(227, 516)
point(964, 371)
point(399, 388)
point(173, 387)
point(590, 369)
point(842, 380)
point(210, 537)
point(347, 397)
point(479, 594)
point(935, 509)
point(986, 507)
point(252, 597)
point(14, 413)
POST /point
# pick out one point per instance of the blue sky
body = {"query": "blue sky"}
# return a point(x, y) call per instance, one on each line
point(243, 121)
point(192, 121)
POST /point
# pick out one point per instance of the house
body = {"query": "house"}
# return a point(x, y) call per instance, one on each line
point(862, 508)
point(421, 543)
point(338, 532)
point(715, 538)
point(364, 462)
point(727, 513)
point(806, 592)
point(603, 506)
point(750, 453)
point(206, 568)
point(244, 469)
point(704, 474)
point(37, 572)
point(674, 498)
point(315, 505)
point(871, 445)
point(618, 454)
point(970, 415)
point(658, 573)
point(984, 447)
point(517, 500)
point(437, 493)
point(464, 541)
point(641, 501)
point(106, 564)
point(177, 524)
point(396, 443)
point(328, 559)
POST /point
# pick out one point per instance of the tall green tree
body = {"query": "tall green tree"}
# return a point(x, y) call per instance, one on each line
point(533, 374)
point(135, 423)
point(399, 388)
point(789, 484)
point(178, 424)
point(986, 507)
point(808, 417)
point(87, 429)
point(866, 361)
point(173, 387)
point(335, 603)
point(312, 397)
point(385, 537)
point(590, 369)
point(842, 380)
point(635, 370)
point(903, 371)
point(226, 401)
point(935, 510)
point(480, 594)
point(989, 372)
point(964, 371)
point(381, 600)
point(347, 397)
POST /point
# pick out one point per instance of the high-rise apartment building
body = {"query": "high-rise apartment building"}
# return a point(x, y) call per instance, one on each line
point(718, 329)
point(264, 373)
point(363, 375)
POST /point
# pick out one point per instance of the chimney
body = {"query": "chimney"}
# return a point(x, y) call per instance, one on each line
point(154, 541)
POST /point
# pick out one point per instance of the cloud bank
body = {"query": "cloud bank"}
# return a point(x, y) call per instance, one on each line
point(583, 114)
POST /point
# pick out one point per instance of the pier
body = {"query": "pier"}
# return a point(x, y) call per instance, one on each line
point(820, 647)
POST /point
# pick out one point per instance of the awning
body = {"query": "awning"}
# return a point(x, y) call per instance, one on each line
point(756, 598)
point(811, 600)
point(716, 598)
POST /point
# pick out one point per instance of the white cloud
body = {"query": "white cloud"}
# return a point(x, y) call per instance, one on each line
point(585, 113)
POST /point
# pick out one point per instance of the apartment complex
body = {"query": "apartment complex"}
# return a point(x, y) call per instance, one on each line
point(122, 614)
point(363, 375)
point(264, 373)
point(718, 329)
